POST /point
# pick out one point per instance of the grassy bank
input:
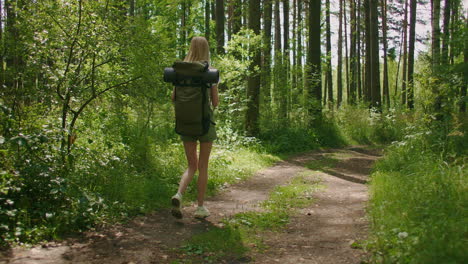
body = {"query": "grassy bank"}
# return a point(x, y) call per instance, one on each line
point(419, 199)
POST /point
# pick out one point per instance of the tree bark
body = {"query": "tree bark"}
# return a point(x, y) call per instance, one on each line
point(266, 79)
point(405, 57)
point(367, 35)
point(412, 38)
point(345, 20)
point(329, 78)
point(358, 51)
point(435, 4)
point(277, 27)
point(314, 78)
point(374, 62)
point(207, 20)
point(386, 92)
point(352, 53)
point(299, 45)
point(253, 87)
point(220, 26)
point(339, 81)
point(237, 16)
point(465, 85)
point(446, 33)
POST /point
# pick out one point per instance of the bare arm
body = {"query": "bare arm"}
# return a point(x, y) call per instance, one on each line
point(214, 95)
point(173, 94)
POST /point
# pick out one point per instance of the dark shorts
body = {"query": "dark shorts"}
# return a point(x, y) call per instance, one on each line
point(210, 136)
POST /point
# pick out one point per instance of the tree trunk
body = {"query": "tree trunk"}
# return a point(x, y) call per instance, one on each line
point(286, 30)
point(345, 20)
point(405, 57)
point(352, 54)
point(446, 34)
point(329, 78)
point(358, 51)
point(220, 26)
point(435, 4)
point(286, 61)
point(374, 62)
point(412, 38)
point(465, 85)
point(183, 28)
point(253, 87)
point(314, 78)
point(386, 92)
point(266, 79)
point(339, 80)
point(277, 98)
point(277, 27)
point(2, 70)
point(299, 45)
point(367, 35)
point(237, 16)
point(453, 49)
point(294, 54)
point(207, 20)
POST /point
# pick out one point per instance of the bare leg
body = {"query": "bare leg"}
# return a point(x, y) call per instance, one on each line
point(191, 154)
point(205, 150)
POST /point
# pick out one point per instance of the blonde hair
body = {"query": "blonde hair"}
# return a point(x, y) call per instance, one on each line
point(199, 50)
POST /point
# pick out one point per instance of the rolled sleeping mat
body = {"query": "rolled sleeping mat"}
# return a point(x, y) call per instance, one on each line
point(209, 76)
point(170, 75)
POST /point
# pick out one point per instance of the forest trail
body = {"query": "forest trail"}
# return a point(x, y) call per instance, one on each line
point(323, 232)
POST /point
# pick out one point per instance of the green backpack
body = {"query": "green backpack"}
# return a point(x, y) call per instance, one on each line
point(192, 109)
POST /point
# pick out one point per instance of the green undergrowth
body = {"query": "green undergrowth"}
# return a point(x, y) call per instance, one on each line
point(419, 199)
point(243, 231)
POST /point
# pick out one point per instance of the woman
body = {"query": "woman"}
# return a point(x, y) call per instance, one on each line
point(199, 51)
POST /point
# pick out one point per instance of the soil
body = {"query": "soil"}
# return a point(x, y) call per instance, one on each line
point(325, 232)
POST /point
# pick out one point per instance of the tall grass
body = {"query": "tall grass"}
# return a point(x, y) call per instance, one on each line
point(419, 199)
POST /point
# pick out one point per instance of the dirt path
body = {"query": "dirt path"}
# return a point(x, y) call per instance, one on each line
point(321, 233)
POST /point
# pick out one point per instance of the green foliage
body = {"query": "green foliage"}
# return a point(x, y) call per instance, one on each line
point(364, 126)
point(419, 192)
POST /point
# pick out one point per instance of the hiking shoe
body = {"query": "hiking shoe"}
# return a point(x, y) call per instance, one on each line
point(176, 201)
point(202, 212)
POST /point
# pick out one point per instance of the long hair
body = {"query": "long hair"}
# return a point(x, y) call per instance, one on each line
point(199, 50)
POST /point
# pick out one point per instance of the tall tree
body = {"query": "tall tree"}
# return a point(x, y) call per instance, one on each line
point(405, 56)
point(412, 38)
point(339, 81)
point(237, 16)
point(374, 55)
point(207, 20)
point(345, 20)
point(358, 51)
point(435, 19)
point(386, 92)
point(286, 60)
point(220, 26)
point(329, 78)
point(253, 86)
point(314, 74)
point(277, 98)
point(352, 53)
point(465, 84)
point(367, 36)
point(286, 30)
point(277, 27)
point(446, 33)
point(266, 78)
point(299, 44)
